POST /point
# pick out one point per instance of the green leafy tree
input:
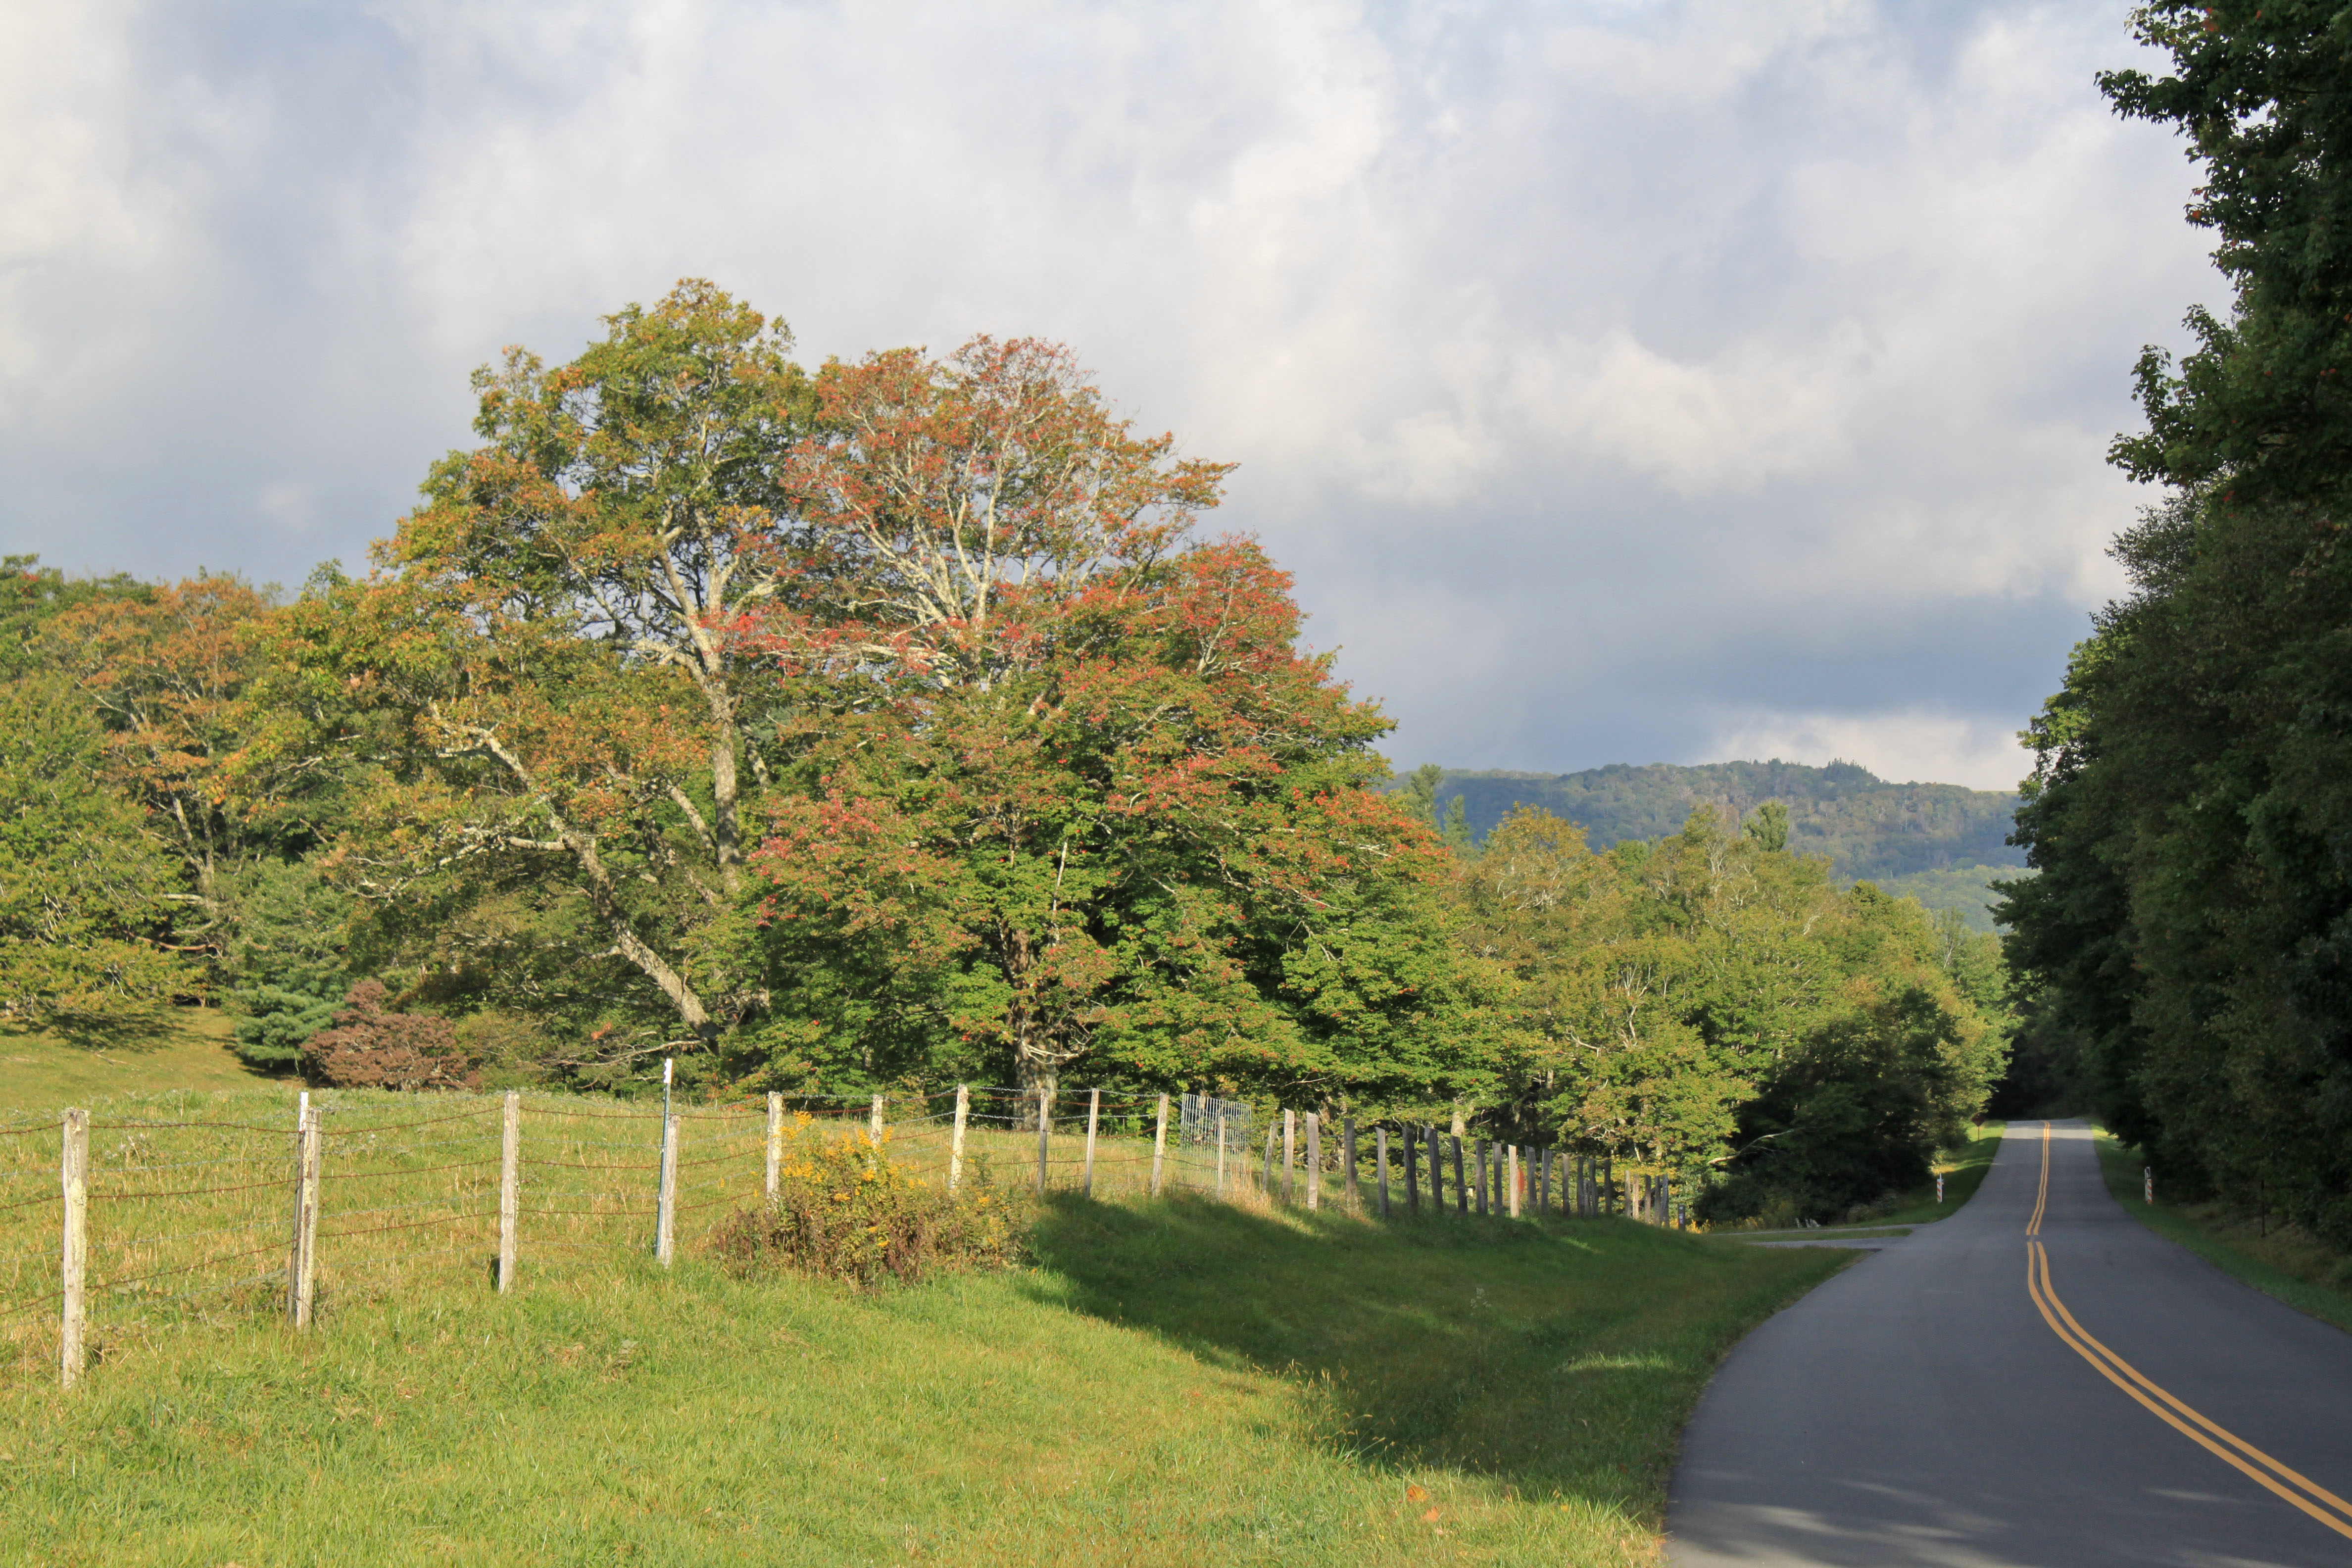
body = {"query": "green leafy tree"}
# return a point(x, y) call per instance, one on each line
point(83, 912)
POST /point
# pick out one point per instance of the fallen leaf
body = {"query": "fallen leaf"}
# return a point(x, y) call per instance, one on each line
point(1414, 1494)
point(1430, 1517)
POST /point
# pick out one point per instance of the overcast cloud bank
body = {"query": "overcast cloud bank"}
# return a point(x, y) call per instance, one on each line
point(1623, 383)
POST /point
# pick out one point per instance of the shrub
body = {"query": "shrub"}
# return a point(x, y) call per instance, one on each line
point(369, 1047)
point(845, 1211)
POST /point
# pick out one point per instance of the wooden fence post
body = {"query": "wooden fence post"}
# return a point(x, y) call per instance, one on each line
point(666, 1209)
point(302, 1258)
point(1461, 1186)
point(1221, 1151)
point(1160, 1146)
point(874, 1123)
point(73, 1262)
point(1436, 1171)
point(1541, 1186)
point(510, 1185)
point(1045, 1131)
point(1094, 1114)
point(1348, 1182)
point(1314, 1161)
point(1381, 1165)
point(1511, 1181)
point(955, 1144)
point(1289, 1156)
point(1481, 1144)
point(1608, 1187)
point(1411, 1187)
point(775, 1162)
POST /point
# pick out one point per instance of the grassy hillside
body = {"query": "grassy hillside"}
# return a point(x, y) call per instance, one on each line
point(1174, 1380)
point(1871, 829)
point(41, 1073)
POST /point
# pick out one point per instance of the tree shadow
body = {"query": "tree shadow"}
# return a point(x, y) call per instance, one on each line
point(1560, 1356)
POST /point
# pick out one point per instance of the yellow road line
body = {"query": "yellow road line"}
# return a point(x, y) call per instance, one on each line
point(2120, 1372)
point(2041, 1198)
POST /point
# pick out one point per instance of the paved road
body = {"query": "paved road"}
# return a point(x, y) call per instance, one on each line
point(1935, 1405)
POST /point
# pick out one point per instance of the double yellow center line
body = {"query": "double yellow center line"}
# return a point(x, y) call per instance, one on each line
point(2231, 1450)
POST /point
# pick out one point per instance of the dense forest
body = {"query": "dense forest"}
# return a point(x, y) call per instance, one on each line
point(891, 723)
point(2187, 946)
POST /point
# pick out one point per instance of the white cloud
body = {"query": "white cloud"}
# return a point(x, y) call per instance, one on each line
point(1906, 746)
point(1580, 360)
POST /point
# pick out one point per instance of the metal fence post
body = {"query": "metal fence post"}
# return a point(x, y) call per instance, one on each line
point(73, 1175)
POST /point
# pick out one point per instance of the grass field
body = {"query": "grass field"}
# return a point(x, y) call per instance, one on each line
point(2282, 1261)
point(39, 1073)
point(1173, 1381)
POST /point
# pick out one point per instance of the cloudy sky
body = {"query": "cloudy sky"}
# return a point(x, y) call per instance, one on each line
point(1624, 382)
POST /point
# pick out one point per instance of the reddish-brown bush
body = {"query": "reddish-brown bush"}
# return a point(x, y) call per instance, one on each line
point(369, 1047)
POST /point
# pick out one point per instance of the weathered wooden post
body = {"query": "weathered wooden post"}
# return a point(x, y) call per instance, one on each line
point(510, 1185)
point(665, 1208)
point(1481, 1144)
point(874, 1123)
point(1608, 1187)
point(1314, 1161)
point(1159, 1147)
point(303, 1259)
point(1348, 1181)
point(73, 1260)
point(1289, 1156)
point(1381, 1165)
point(1412, 1171)
point(1094, 1114)
point(1511, 1181)
point(1460, 1186)
point(1045, 1131)
point(774, 1184)
point(1270, 1135)
point(955, 1139)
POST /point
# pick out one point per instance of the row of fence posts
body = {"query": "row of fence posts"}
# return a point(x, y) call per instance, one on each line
point(1592, 1192)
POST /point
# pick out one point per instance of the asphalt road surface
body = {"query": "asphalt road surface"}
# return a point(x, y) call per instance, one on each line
point(2040, 1379)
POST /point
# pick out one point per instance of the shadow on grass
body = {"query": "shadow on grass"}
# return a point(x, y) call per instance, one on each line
point(1561, 1356)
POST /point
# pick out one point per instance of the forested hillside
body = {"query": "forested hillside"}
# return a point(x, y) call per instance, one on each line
point(1869, 828)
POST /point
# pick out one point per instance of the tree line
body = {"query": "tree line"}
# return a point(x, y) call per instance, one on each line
point(896, 723)
point(2188, 940)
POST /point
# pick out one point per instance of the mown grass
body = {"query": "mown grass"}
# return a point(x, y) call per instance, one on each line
point(1175, 1380)
point(44, 1072)
point(2284, 1261)
point(1963, 1171)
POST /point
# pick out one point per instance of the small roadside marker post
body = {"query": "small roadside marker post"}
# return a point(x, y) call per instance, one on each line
point(1939, 1186)
point(2148, 1183)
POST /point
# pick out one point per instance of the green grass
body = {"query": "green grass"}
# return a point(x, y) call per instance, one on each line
point(1176, 1381)
point(42, 1072)
point(2287, 1263)
point(1963, 1171)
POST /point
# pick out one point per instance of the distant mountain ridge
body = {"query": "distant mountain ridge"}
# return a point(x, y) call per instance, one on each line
point(1870, 829)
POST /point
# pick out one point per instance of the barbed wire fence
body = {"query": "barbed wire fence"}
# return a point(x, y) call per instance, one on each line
point(120, 1227)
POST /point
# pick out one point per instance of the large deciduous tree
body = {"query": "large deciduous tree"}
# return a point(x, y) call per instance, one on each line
point(544, 671)
point(1076, 797)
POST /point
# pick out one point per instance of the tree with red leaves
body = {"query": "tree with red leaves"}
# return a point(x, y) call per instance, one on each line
point(1077, 799)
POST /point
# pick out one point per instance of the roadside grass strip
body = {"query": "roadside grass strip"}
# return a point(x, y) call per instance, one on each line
point(2287, 1266)
point(1174, 1380)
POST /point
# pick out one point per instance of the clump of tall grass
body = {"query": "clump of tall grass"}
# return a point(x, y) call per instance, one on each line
point(843, 1211)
